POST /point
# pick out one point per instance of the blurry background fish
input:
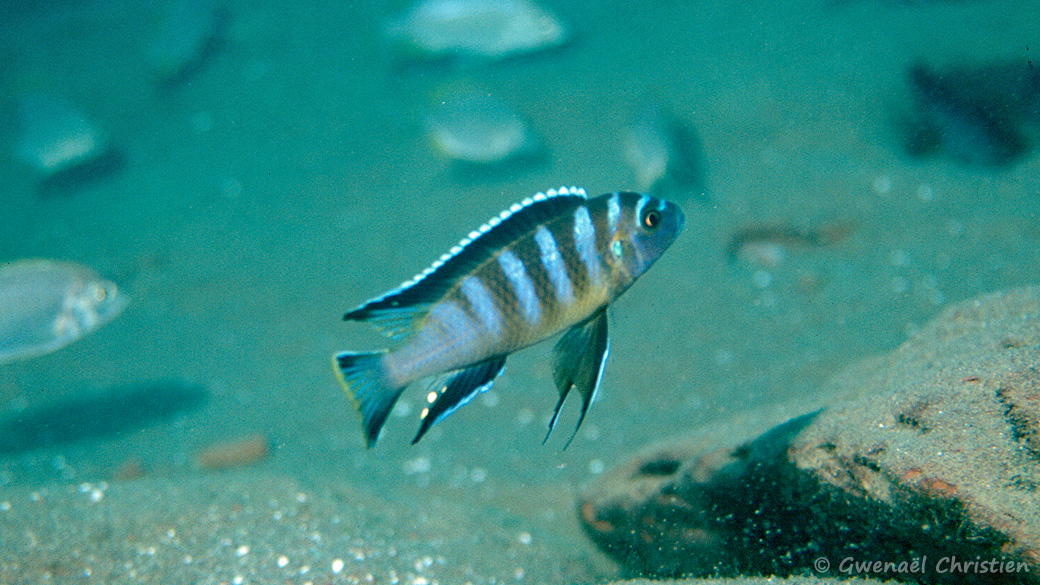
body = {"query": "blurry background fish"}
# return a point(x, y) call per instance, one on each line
point(65, 148)
point(47, 304)
point(977, 115)
point(469, 125)
point(190, 33)
point(478, 30)
point(665, 153)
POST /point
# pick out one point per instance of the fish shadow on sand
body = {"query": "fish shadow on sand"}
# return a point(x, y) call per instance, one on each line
point(79, 177)
point(106, 414)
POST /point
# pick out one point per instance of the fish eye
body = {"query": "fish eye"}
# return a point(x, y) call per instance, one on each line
point(651, 219)
point(105, 292)
point(96, 292)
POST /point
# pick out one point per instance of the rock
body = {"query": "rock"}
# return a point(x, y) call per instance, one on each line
point(927, 454)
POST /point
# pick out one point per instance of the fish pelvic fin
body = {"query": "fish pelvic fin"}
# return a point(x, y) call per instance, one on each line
point(362, 377)
point(460, 390)
point(578, 360)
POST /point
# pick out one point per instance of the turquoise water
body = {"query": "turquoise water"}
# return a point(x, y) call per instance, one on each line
point(289, 179)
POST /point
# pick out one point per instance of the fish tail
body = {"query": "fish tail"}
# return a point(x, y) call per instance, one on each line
point(364, 381)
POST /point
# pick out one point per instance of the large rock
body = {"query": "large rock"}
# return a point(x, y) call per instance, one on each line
point(929, 454)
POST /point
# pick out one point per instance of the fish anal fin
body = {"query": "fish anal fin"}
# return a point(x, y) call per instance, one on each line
point(459, 390)
point(578, 360)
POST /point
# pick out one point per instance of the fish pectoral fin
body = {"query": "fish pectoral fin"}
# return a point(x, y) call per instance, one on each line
point(460, 390)
point(578, 359)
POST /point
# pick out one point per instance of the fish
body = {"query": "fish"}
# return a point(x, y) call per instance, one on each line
point(65, 148)
point(665, 153)
point(549, 264)
point(765, 243)
point(975, 129)
point(486, 30)
point(469, 125)
point(192, 32)
point(47, 304)
point(55, 135)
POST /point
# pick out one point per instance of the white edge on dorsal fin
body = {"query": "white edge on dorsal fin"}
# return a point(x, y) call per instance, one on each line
point(490, 224)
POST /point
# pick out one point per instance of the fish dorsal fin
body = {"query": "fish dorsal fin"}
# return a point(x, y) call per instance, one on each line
point(395, 312)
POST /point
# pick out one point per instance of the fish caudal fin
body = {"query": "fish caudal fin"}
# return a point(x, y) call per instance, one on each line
point(361, 374)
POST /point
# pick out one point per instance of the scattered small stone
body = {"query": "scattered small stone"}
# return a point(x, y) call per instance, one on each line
point(128, 470)
point(238, 452)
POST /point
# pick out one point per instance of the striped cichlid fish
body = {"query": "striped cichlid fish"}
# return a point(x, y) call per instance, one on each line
point(551, 263)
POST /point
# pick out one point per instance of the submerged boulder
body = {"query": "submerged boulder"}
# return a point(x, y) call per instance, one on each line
point(923, 468)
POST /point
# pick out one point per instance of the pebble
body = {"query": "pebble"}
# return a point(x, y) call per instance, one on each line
point(238, 452)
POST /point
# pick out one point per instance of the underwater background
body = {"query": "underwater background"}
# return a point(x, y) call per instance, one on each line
point(289, 178)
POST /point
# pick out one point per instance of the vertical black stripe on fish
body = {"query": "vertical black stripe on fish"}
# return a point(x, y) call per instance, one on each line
point(600, 219)
point(502, 292)
point(527, 252)
point(562, 230)
point(481, 245)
